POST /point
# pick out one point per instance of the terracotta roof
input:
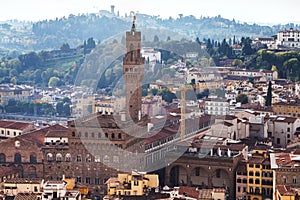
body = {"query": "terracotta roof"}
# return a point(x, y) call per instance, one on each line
point(285, 119)
point(38, 136)
point(24, 180)
point(255, 160)
point(26, 196)
point(14, 124)
point(285, 190)
point(189, 192)
point(56, 133)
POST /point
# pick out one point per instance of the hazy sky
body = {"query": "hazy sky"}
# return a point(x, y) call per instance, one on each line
point(259, 11)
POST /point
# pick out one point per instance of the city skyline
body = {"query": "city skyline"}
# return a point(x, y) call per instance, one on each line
point(256, 11)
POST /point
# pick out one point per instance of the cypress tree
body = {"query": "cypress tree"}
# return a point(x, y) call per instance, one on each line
point(269, 95)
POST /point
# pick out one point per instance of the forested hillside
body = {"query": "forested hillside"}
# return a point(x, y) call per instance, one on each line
point(73, 29)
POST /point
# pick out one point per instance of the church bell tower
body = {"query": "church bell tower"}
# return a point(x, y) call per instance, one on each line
point(133, 73)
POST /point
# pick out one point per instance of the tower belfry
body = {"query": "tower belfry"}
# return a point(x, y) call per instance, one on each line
point(133, 73)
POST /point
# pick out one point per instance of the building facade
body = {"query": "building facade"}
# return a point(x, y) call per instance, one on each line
point(289, 38)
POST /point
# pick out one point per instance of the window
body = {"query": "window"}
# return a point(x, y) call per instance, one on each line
point(288, 129)
point(218, 173)
point(68, 157)
point(106, 159)
point(2, 158)
point(86, 135)
point(251, 181)
point(116, 159)
point(78, 158)
point(78, 179)
point(239, 189)
point(88, 180)
point(32, 158)
point(18, 158)
point(257, 191)
point(294, 180)
point(113, 136)
point(197, 171)
point(73, 134)
point(120, 136)
point(99, 135)
point(97, 181)
point(97, 158)
point(106, 135)
point(257, 181)
point(257, 174)
point(251, 173)
point(49, 157)
point(92, 135)
point(251, 189)
point(278, 140)
point(136, 183)
point(58, 157)
point(88, 158)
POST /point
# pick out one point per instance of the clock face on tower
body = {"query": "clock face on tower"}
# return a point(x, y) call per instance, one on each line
point(133, 72)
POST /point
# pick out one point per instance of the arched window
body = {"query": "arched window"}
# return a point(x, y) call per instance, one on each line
point(99, 135)
point(88, 158)
point(97, 158)
point(120, 136)
point(257, 191)
point(58, 157)
point(2, 158)
point(106, 135)
point(33, 158)
point(78, 158)
point(106, 159)
point(113, 136)
point(49, 157)
point(284, 179)
point(68, 157)
point(18, 158)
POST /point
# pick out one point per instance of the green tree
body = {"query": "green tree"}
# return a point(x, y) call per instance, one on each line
point(242, 98)
point(269, 95)
point(154, 91)
point(65, 47)
point(54, 82)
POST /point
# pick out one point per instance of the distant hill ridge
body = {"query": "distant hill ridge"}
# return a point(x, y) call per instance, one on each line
point(50, 34)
